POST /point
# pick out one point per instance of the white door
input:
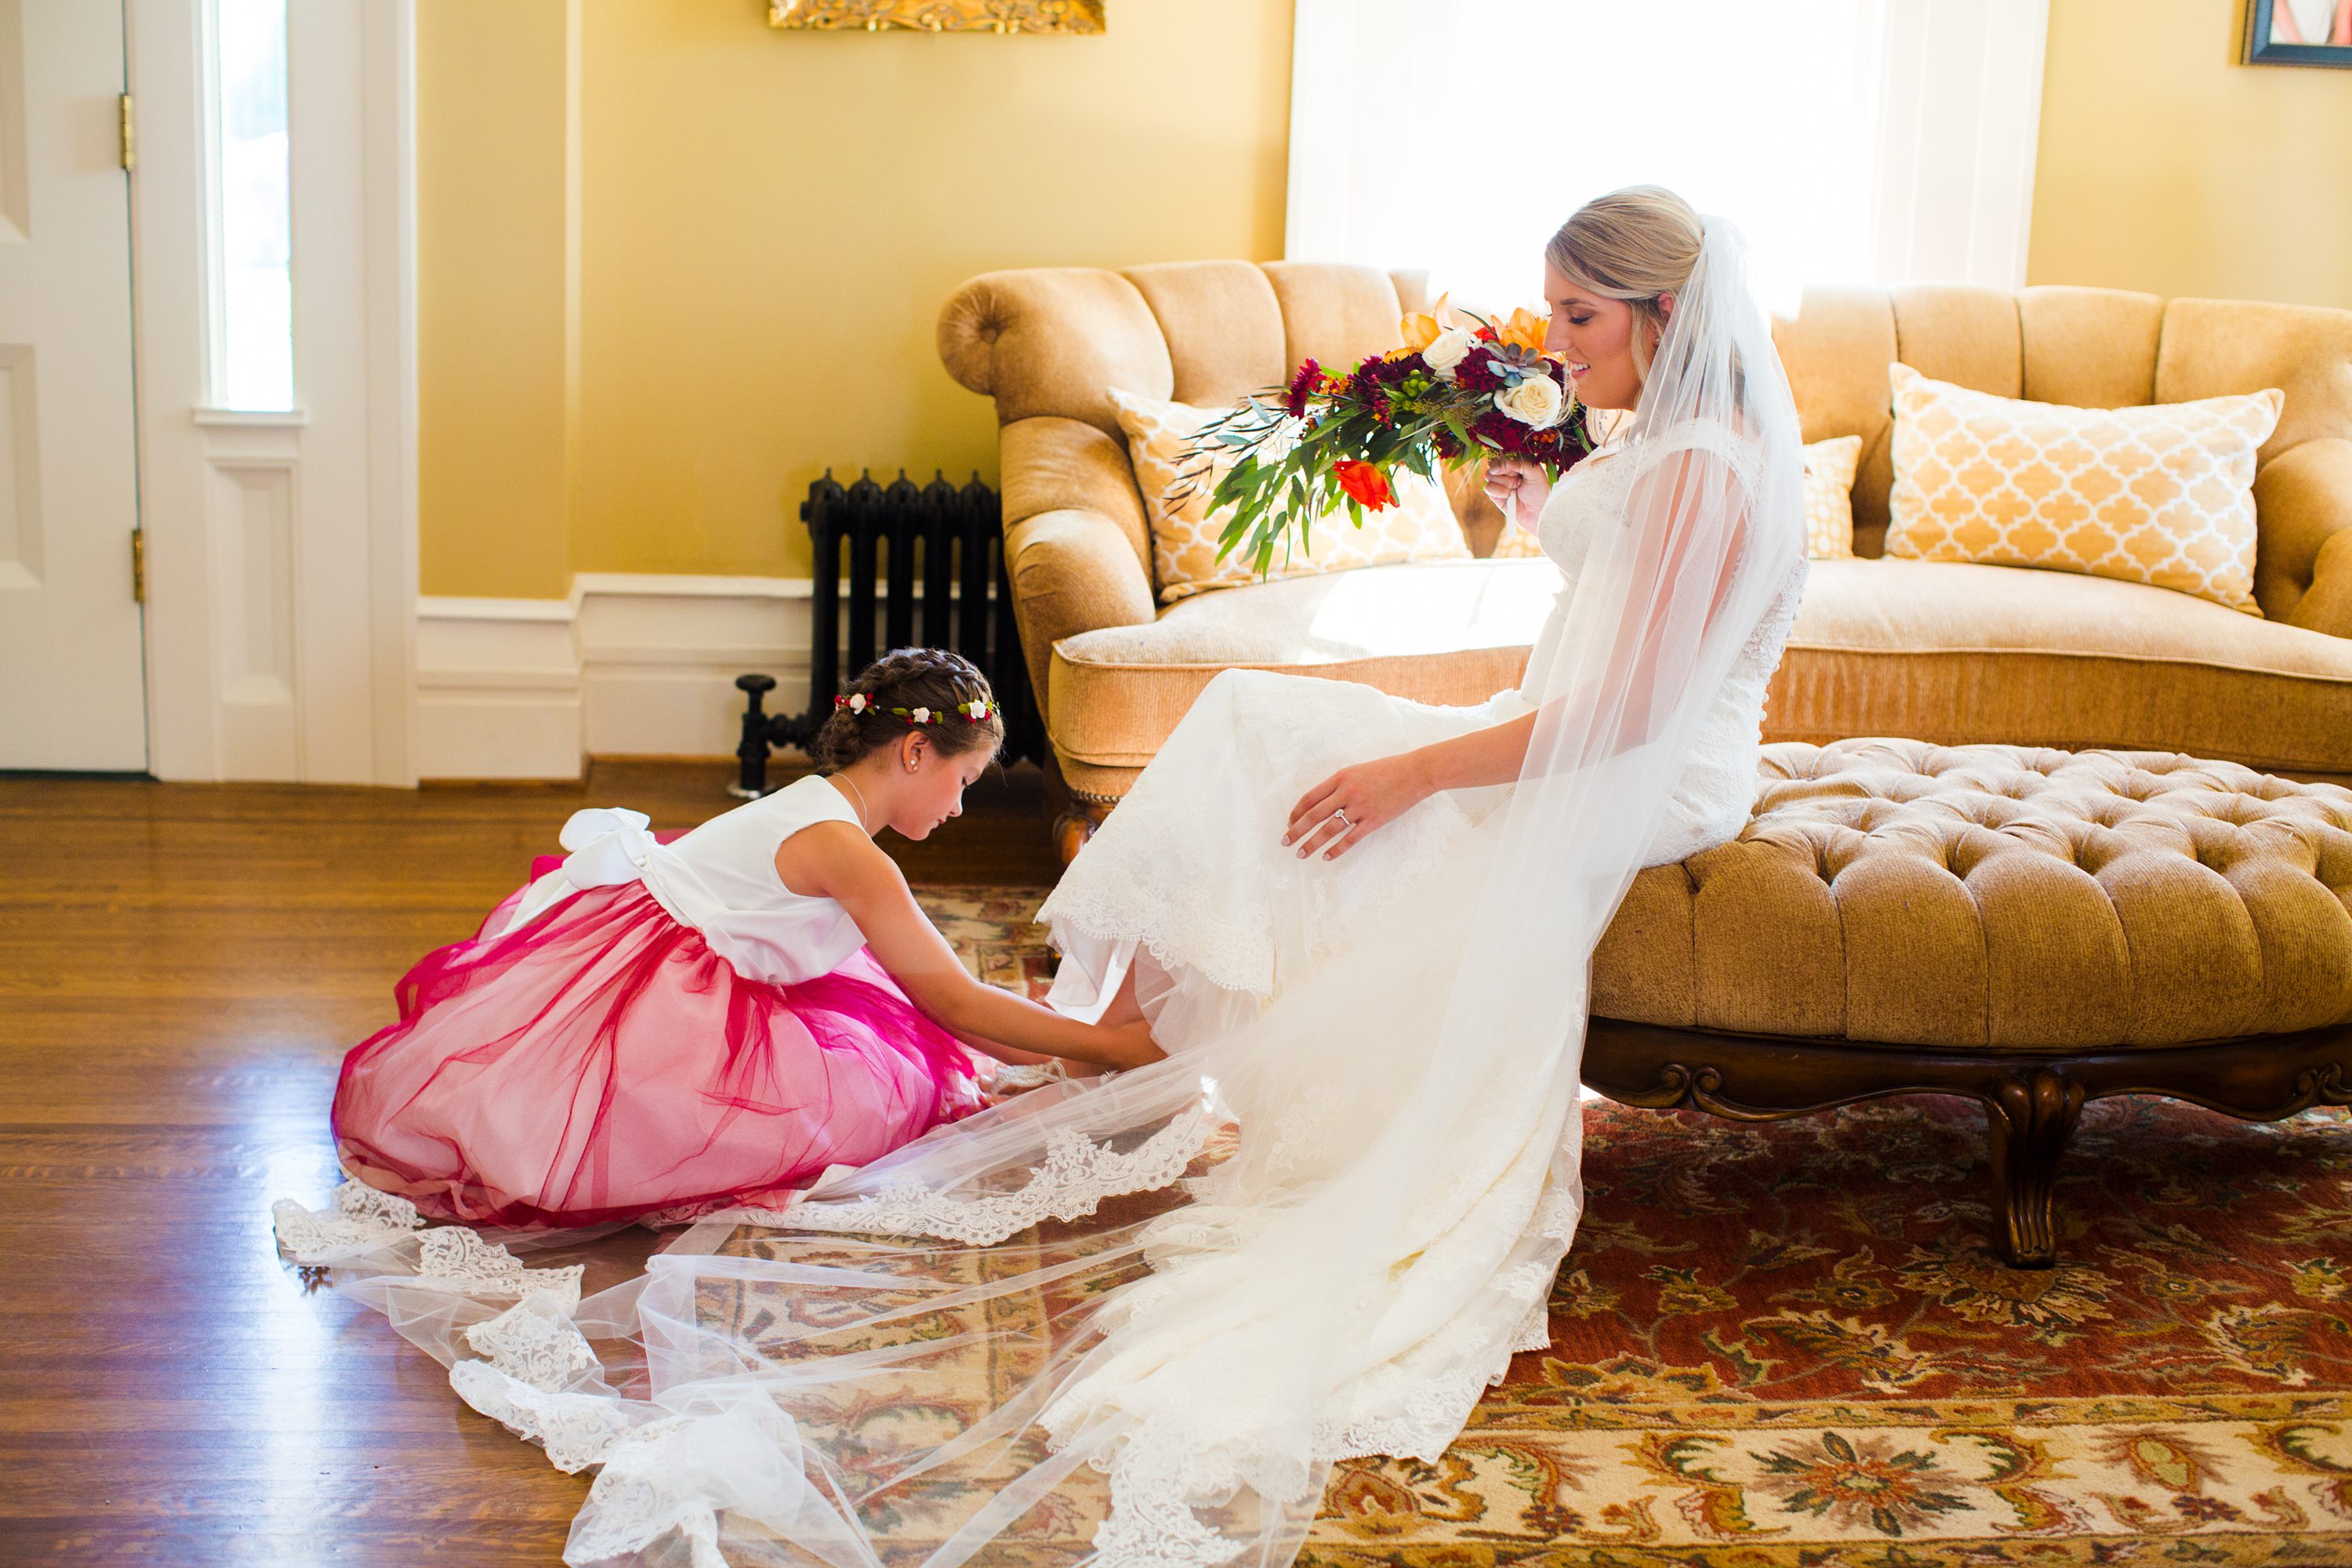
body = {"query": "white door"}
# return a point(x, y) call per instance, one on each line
point(273, 243)
point(71, 692)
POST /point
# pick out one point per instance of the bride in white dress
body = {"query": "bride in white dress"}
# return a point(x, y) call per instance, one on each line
point(1215, 882)
point(1133, 1322)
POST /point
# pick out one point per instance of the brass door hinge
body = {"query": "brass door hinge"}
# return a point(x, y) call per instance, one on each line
point(129, 135)
point(138, 565)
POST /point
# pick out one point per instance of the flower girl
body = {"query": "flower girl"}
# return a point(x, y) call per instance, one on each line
point(660, 1029)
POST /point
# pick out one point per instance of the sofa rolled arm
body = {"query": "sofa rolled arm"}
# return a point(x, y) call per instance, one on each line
point(2303, 569)
point(1073, 570)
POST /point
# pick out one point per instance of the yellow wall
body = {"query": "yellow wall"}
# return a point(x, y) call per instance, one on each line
point(673, 264)
point(2165, 165)
point(764, 226)
point(491, 331)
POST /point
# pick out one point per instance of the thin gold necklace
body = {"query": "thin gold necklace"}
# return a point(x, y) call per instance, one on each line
point(860, 793)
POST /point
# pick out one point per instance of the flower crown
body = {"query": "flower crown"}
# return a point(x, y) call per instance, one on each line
point(979, 710)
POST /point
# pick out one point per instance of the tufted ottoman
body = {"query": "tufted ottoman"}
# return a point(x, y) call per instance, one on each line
point(2036, 929)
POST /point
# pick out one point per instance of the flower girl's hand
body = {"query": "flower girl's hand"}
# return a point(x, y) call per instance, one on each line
point(1519, 488)
point(1335, 816)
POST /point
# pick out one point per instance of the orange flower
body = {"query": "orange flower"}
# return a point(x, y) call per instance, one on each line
point(1421, 327)
point(1524, 330)
point(1365, 484)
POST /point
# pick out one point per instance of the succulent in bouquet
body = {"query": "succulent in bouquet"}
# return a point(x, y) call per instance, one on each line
point(1460, 390)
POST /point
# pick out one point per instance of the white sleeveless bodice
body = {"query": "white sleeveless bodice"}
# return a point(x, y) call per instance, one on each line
point(720, 878)
point(1718, 785)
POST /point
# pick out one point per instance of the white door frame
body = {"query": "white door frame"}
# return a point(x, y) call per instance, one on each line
point(281, 548)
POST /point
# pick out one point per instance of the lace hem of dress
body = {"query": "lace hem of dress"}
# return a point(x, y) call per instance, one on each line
point(357, 1219)
point(638, 1498)
point(1170, 1465)
point(1077, 1174)
point(1231, 954)
point(1176, 1462)
point(360, 1225)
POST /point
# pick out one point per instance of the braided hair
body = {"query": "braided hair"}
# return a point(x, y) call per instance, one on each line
point(906, 679)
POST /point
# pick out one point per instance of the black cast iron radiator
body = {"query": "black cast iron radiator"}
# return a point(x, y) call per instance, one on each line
point(950, 542)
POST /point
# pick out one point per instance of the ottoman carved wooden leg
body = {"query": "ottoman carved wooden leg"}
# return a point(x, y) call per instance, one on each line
point(2032, 1100)
point(2028, 1119)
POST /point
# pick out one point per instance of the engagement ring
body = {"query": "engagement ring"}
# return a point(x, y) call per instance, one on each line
point(1342, 815)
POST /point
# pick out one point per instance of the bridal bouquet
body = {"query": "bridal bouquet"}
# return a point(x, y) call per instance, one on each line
point(1462, 389)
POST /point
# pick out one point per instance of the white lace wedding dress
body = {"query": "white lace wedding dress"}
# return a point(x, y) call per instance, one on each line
point(1131, 1324)
point(1189, 878)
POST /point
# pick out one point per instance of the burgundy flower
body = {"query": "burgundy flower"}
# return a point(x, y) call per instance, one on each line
point(1494, 429)
point(1474, 375)
point(1305, 385)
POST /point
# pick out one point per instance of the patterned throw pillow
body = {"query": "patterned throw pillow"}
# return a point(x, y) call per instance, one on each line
point(1828, 497)
point(1420, 527)
point(2161, 494)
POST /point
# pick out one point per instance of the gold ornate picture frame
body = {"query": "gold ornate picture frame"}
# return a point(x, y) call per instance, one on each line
point(1063, 16)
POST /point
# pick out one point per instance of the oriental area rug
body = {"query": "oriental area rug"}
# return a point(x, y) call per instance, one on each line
point(1789, 1345)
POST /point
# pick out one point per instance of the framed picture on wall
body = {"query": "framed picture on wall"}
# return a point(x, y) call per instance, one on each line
point(2299, 33)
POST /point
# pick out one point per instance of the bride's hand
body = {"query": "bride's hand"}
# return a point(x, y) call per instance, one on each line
point(1336, 815)
point(1519, 488)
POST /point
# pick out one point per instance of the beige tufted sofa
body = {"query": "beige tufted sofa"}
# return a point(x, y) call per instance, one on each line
point(1945, 653)
point(2033, 928)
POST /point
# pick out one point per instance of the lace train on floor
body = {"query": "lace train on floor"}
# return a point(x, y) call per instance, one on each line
point(1034, 1329)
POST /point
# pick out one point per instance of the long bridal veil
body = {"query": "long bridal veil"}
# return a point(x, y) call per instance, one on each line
point(1134, 1323)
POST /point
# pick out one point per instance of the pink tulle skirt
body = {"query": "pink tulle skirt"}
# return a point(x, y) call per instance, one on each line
point(604, 1064)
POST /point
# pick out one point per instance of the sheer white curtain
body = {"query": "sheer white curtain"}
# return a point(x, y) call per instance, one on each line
point(1852, 139)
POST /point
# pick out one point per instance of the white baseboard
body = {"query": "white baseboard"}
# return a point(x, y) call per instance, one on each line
point(631, 664)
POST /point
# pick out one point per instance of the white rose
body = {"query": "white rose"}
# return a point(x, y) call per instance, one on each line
point(1452, 347)
point(1535, 401)
point(922, 715)
point(857, 703)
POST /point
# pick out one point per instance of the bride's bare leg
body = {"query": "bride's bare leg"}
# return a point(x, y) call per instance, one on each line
point(1124, 1008)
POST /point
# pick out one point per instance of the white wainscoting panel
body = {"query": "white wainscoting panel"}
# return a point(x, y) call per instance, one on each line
point(497, 689)
point(630, 665)
point(254, 572)
point(660, 655)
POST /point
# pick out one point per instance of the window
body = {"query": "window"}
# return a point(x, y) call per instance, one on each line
point(1850, 140)
point(252, 227)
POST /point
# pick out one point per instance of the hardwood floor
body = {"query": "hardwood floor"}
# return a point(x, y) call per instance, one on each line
point(181, 970)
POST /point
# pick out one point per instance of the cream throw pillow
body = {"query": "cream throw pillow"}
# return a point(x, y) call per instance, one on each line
point(1828, 497)
point(1420, 527)
point(2161, 494)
